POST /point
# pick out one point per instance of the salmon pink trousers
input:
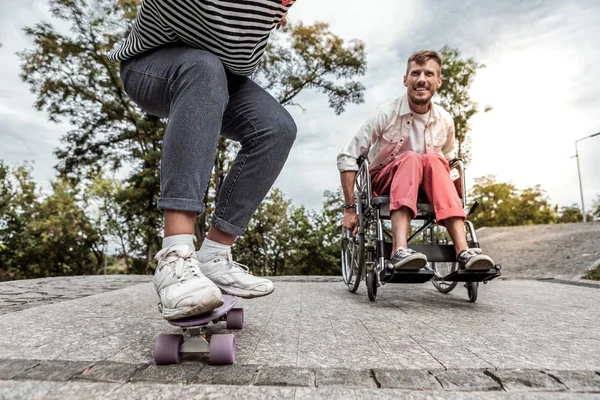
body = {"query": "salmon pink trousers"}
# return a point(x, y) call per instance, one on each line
point(410, 172)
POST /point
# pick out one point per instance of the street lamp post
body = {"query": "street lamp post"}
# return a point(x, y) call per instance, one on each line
point(579, 173)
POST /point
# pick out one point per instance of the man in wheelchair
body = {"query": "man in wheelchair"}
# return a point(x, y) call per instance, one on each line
point(408, 143)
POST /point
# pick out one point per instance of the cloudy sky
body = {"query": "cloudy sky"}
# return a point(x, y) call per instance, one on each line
point(540, 57)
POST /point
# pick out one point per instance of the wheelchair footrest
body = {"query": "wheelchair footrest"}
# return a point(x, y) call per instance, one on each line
point(406, 276)
point(464, 275)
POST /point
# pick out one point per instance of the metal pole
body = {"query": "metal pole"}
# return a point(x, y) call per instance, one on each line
point(105, 259)
point(580, 186)
point(579, 173)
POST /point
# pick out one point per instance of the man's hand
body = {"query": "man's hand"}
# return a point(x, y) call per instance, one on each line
point(350, 221)
point(282, 22)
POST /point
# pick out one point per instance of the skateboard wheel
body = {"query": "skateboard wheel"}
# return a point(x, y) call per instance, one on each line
point(222, 349)
point(166, 349)
point(235, 318)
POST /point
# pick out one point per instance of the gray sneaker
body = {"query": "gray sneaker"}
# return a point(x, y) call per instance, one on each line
point(408, 259)
point(473, 259)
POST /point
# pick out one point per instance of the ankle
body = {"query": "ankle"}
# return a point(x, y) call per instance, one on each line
point(460, 251)
point(218, 236)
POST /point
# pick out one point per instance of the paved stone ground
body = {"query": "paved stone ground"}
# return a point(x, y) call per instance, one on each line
point(20, 295)
point(564, 251)
point(310, 339)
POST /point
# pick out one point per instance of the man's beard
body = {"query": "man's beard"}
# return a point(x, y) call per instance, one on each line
point(420, 101)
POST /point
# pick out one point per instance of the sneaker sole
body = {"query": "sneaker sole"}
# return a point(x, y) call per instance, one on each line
point(208, 304)
point(412, 263)
point(244, 294)
point(480, 265)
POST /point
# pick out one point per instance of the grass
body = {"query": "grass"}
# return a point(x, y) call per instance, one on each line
point(593, 274)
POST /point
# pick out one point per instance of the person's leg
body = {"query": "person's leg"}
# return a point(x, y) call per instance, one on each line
point(400, 227)
point(189, 87)
point(266, 132)
point(402, 179)
point(449, 212)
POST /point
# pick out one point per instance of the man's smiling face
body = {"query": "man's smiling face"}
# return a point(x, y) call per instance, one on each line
point(422, 81)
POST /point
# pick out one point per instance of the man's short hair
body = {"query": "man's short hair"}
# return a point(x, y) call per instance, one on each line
point(422, 56)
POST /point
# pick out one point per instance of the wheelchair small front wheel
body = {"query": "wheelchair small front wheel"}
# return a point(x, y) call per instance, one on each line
point(353, 259)
point(372, 284)
point(443, 269)
point(472, 289)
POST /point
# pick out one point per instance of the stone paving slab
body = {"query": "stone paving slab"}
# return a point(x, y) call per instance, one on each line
point(528, 380)
point(467, 380)
point(522, 339)
point(55, 370)
point(27, 293)
point(406, 379)
point(581, 381)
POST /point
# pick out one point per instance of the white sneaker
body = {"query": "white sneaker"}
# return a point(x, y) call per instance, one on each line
point(233, 278)
point(183, 290)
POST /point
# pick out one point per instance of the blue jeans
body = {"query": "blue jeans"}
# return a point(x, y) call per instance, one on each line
point(202, 100)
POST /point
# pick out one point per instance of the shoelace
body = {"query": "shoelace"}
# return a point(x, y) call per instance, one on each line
point(236, 265)
point(185, 268)
point(184, 265)
point(406, 251)
point(470, 253)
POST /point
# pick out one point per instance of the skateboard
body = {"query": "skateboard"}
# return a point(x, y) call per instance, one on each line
point(169, 347)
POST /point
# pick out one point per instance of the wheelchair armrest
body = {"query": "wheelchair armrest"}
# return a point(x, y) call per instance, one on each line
point(457, 163)
point(454, 162)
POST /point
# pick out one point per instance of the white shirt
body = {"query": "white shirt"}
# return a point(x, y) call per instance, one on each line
point(416, 137)
point(383, 135)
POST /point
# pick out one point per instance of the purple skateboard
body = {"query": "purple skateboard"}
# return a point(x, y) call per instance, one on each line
point(169, 347)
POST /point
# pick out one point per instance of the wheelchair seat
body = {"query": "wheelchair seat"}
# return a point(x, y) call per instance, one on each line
point(424, 207)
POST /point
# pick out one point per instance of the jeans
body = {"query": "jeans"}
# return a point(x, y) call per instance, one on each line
point(202, 100)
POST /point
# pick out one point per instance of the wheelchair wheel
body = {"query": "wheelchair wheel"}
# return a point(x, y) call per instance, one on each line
point(353, 259)
point(443, 269)
point(472, 288)
point(372, 285)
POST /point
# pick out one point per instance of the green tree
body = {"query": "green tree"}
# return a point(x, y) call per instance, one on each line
point(323, 247)
point(74, 82)
point(312, 57)
point(263, 245)
point(596, 207)
point(44, 235)
point(502, 204)
point(18, 198)
point(568, 214)
point(70, 243)
point(108, 199)
point(458, 74)
point(286, 240)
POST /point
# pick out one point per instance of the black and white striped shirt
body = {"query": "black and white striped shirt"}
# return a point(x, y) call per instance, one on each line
point(236, 31)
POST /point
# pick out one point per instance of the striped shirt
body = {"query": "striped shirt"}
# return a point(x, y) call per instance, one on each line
point(236, 31)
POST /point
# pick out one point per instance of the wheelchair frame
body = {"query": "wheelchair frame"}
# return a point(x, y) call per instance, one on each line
point(366, 254)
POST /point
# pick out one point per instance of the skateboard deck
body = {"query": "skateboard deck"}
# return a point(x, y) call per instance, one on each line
point(203, 319)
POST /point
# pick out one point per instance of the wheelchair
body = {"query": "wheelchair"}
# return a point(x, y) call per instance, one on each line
point(366, 256)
